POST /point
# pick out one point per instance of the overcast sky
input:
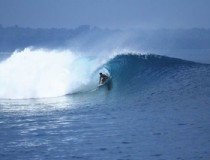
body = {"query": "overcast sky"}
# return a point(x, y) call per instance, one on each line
point(106, 13)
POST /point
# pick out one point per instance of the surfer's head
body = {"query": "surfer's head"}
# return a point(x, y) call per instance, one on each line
point(100, 73)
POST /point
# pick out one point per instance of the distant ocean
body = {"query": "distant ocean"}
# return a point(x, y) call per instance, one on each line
point(154, 108)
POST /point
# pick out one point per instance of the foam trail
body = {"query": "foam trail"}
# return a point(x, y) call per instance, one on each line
point(43, 73)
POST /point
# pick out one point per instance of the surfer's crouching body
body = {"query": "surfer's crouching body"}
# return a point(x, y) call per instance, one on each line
point(103, 78)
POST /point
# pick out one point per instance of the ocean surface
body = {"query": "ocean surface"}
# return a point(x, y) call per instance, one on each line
point(154, 108)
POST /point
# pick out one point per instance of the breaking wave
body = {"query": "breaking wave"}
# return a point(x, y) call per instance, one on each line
point(43, 73)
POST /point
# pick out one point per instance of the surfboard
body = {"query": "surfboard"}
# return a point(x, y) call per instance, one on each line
point(107, 81)
point(107, 84)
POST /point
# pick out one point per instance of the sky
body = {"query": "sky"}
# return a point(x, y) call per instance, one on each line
point(113, 14)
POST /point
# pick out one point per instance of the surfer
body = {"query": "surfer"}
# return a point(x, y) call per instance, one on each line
point(103, 78)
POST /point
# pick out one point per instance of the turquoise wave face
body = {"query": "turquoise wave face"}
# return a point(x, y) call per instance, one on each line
point(126, 68)
point(158, 78)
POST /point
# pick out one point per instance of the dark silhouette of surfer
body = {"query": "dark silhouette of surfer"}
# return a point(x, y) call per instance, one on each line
point(103, 78)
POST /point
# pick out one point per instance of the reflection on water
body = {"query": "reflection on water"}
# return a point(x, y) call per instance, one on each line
point(36, 105)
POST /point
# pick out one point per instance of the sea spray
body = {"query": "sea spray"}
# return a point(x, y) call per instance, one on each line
point(45, 73)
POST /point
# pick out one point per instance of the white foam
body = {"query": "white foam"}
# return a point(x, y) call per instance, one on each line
point(44, 73)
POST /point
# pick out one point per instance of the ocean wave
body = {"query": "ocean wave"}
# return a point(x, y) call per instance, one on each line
point(43, 73)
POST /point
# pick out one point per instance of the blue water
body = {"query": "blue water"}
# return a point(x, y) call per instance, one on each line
point(154, 108)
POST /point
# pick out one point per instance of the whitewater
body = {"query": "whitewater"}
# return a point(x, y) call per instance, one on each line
point(45, 74)
point(155, 107)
